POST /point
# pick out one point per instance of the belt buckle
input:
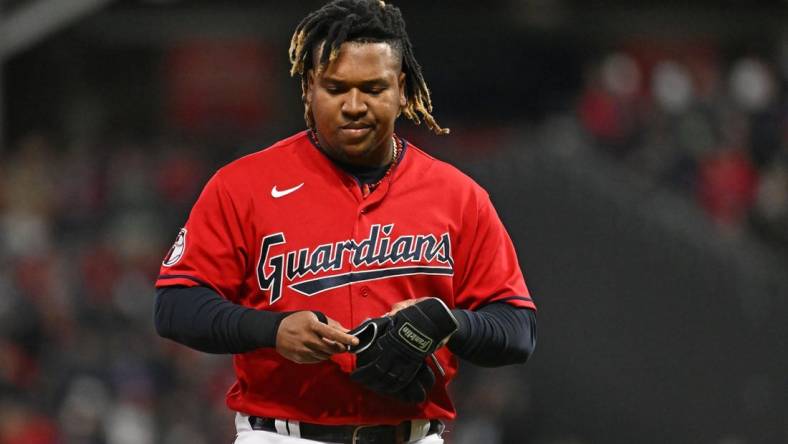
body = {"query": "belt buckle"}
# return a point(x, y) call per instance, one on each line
point(396, 438)
point(356, 429)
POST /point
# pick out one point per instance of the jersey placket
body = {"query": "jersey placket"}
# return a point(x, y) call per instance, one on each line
point(368, 202)
point(363, 222)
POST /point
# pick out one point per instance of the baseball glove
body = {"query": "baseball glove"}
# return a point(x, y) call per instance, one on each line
point(390, 356)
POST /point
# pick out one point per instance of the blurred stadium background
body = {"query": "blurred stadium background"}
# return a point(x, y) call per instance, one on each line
point(637, 152)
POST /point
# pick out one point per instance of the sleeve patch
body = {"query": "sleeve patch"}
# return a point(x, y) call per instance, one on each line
point(177, 250)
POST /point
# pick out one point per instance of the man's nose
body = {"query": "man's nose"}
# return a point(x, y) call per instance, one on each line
point(354, 104)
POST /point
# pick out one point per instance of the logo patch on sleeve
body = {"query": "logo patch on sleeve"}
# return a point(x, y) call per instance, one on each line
point(415, 338)
point(176, 251)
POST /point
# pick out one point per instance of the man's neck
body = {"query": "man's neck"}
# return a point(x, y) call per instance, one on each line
point(380, 158)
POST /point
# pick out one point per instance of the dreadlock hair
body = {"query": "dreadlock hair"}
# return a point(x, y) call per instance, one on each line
point(363, 21)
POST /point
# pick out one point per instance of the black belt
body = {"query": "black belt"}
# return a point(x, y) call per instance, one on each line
point(350, 434)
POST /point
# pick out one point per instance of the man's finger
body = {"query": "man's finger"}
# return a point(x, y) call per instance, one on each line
point(308, 359)
point(336, 347)
point(320, 356)
point(323, 349)
point(337, 325)
point(404, 304)
point(399, 306)
point(335, 335)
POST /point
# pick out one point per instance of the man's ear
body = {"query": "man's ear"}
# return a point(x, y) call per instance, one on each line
point(403, 99)
point(310, 86)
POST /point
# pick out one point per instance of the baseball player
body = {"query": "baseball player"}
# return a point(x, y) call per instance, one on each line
point(345, 269)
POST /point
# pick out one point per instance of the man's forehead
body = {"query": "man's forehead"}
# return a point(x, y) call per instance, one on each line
point(384, 46)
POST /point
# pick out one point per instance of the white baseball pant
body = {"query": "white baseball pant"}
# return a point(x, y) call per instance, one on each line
point(248, 436)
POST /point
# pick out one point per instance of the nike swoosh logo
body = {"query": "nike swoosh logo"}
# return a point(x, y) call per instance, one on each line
point(276, 194)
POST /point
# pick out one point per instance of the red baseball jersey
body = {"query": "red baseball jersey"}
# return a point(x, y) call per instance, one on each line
point(285, 229)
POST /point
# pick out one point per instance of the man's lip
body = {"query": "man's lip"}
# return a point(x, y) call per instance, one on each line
point(355, 130)
point(356, 126)
point(355, 133)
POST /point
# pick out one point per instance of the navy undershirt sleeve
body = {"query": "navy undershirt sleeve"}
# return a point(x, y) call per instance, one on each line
point(200, 318)
point(494, 335)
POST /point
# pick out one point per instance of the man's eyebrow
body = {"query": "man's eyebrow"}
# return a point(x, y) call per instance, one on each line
point(375, 81)
point(378, 81)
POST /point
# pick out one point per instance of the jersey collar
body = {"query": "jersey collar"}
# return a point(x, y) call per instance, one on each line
point(343, 170)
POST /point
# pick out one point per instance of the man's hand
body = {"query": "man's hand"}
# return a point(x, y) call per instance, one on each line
point(404, 304)
point(401, 305)
point(391, 359)
point(303, 339)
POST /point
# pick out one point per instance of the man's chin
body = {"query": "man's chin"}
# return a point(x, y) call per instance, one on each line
point(358, 154)
point(356, 149)
point(354, 154)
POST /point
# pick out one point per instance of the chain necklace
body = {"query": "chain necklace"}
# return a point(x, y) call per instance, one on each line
point(395, 152)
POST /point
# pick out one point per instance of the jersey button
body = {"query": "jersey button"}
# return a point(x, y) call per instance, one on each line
point(365, 291)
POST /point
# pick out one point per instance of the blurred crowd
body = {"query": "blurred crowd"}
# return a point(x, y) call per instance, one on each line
point(687, 117)
point(82, 231)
